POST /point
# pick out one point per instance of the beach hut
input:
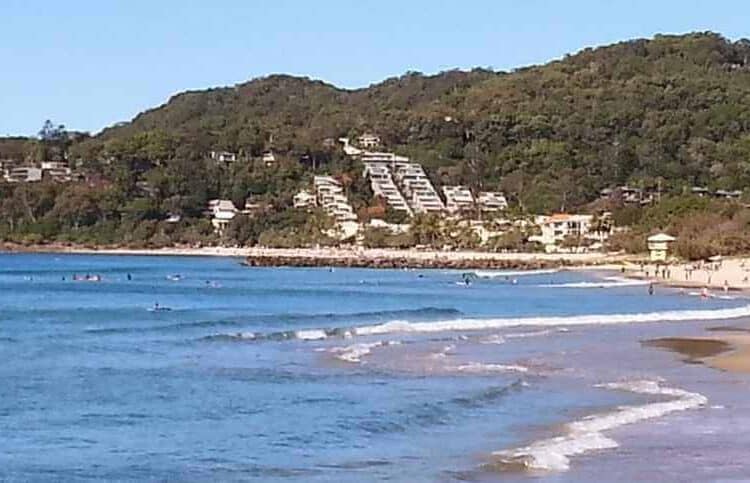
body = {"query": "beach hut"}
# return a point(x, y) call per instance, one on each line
point(658, 246)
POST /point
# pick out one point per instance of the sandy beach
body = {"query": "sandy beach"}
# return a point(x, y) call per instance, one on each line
point(725, 274)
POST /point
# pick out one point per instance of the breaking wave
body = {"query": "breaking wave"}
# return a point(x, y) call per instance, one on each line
point(608, 282)
point(405, 326)
point(512, 273)
point(586, 434)
point(601, 319)
point(355, 352)
point(485, 368)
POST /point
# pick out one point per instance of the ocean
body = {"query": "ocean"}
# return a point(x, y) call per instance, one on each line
point(200, 369)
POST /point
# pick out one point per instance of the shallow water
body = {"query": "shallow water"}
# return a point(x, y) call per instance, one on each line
point(265, 374)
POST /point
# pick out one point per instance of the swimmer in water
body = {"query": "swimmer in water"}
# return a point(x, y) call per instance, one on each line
point(651, 289)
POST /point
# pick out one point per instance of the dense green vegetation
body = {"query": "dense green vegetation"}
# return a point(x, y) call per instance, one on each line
point(704, 227)
point(673, 110)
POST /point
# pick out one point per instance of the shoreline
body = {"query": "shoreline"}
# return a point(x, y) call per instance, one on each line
point(728, 350)
point(355, 257)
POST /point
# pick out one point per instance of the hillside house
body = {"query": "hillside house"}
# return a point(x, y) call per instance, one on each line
point(222, 213)
point(223, 156)
point(368, 141)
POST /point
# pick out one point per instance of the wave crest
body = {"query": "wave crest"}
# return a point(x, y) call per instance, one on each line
point(585, 435)
point(601, 319)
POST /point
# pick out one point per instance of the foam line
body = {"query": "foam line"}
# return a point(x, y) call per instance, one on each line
point(585, 435)
point(601, 319)
point(511, 273)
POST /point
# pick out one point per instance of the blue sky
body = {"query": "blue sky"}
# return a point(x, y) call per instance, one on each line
point(88, 64)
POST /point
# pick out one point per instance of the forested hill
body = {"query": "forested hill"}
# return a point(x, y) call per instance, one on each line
point(672, 109)
point(676, 107)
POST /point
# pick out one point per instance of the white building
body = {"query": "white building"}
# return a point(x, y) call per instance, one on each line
point(24, 174)
point(56, 170)
point(223, 156)
point(382, 157)
point(222, 213)
point(381, 182)
point(557, 227)
point(490, 201)
point(268, 158)
point(368, 141)
point(658, 246)
point(349, 150)
point(458, 199)
point(330, 196)
point(304, 199)
point(417, 188)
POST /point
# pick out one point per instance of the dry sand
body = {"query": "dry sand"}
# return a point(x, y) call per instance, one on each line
point(729, 274)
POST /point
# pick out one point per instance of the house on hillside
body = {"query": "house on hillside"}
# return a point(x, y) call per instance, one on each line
point(331, 197)
point(628, 195)
point(492, 201)
point(349, 150)
point(728, 195)
point(304, 199)
point(458, 199)
point(558, 227)
point(700, 191)
point(56, 170)
point(222, 213)
point(268, 159)
point(24, 174)
point(223, 156)
point(368, 141)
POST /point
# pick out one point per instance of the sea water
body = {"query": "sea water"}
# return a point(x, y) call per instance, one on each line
point(200, 369)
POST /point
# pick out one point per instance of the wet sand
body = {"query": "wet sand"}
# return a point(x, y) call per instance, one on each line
point(728, 349)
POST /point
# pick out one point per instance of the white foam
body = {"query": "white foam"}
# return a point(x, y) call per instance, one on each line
point(444, 351)
point(511, 273)
point(246, 335)
point(597, 319)
point(312, 334)
point(479, 367)
point(493, 339)
point(585, 435)
point(535, 333)
point(608, 282)
point(355, 352)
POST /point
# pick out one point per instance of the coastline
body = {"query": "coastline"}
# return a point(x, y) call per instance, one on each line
point(355, 257)
point(728, 350)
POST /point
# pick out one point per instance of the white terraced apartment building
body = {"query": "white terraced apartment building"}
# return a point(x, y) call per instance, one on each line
point(383, 186)
point(417, 188)
point(331, 197)
point(492, 201)
point(458, 199)
point(304, 199)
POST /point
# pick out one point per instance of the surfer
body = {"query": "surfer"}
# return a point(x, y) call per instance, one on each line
point(130, 277)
